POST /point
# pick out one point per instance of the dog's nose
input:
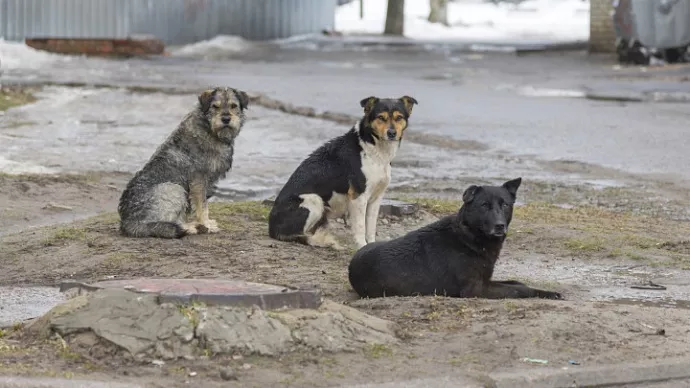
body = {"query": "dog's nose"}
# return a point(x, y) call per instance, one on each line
point(391, 133)
point(500, 228)
point(225, 119)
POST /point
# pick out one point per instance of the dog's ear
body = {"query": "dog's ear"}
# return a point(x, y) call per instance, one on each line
point(368, 103)
point(469, 193)
point(243, 97)
point(512, 186)
point(409, 102)
point(206, 98)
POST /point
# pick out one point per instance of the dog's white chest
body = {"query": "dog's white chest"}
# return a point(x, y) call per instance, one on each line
point(376, 166)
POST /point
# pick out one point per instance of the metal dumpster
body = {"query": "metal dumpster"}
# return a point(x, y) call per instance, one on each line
point(652, 29)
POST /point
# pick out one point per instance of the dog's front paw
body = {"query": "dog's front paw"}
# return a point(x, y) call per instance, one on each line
point(550, 295)
point(190, 228)
point(212, 226)
point(336, 246)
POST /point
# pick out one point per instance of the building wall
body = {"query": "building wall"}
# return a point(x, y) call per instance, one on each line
point(172, 21)
point(602, 37)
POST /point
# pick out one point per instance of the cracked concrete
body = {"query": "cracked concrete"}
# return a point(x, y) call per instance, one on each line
point(115, 321)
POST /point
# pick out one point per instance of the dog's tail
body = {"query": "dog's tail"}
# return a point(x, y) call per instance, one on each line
point(159, 229)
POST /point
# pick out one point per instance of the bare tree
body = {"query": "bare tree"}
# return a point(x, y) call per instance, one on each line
point(438, 12)
point(395, 17)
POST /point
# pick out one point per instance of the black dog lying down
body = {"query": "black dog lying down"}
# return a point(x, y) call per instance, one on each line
point(454, 256)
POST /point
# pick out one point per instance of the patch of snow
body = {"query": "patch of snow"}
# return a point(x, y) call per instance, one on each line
point(15, 168)
point(19, 56)
point(216, 47)
point(477, 20)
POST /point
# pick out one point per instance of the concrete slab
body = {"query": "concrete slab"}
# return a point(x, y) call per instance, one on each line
point(211, 291)
point(391, 207)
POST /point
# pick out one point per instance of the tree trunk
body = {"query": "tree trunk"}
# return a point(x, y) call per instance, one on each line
point(439, 11)
point(395, 17)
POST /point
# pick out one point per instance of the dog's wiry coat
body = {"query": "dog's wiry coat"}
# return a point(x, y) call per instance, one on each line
point(168, 197)
point(347, 176)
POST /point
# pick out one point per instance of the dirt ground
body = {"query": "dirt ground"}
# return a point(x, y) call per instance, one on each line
point(37, 200)
point(608, 240)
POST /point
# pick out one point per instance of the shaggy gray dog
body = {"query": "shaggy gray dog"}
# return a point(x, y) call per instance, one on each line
point(168, 197)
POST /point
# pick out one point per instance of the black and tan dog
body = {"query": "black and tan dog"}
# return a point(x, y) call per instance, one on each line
point(168, 197)
point(454, 256)
point(346, 176)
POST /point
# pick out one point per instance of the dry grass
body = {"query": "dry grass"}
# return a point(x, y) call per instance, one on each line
point(589, 232)
point(10, 98)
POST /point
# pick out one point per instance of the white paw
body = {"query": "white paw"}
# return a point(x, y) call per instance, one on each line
point(336, 246)
point(211, 226)
point(190, 228)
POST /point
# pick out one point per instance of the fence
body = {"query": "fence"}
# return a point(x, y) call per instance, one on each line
point(172, 21)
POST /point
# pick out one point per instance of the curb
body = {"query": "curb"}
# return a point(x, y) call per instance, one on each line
point(651, 96)
point(469, 46)
point(257, 98)
point(436, 382)
point(29, 382)
point(592, 377)
point(597, 376)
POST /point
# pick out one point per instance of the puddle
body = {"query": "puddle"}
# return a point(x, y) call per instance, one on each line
point(663, 302)
point(599, 282)
point(18, 304)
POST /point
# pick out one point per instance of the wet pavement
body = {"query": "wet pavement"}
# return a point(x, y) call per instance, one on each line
point(80, 130)
point(462, 96)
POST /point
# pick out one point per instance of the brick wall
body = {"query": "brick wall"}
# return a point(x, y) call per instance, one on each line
point(602, 37)
point(100, 47)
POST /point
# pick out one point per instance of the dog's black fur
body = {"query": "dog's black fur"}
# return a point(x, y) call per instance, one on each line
point(336, 168)
point(454, 256)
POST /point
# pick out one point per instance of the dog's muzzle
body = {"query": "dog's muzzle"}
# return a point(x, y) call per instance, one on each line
point(391, 134)
point(499, 230)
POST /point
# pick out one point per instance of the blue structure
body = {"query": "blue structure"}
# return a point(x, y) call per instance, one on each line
point(173, 21)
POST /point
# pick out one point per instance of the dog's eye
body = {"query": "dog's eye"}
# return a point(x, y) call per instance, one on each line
point(233, 106)
point(506, 205)
point(486, 205)
point(399, 118)
point(381, 118)
point(216, 105)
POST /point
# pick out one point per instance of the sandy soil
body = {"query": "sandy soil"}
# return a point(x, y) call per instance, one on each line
point(591, 253)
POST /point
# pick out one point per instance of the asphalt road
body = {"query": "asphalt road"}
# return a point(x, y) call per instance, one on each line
point(504, 101)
